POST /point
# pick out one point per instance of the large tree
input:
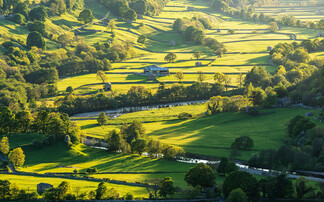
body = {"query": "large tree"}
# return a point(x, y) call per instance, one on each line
point(179, 76)
point(273, 27)
point(86, 16)
point(35, 39)
point(111, 25)
point(170, 57)
point(166, 187)
point(200, 175)
point(243, 180)
point(17, 157)
point(38, 13)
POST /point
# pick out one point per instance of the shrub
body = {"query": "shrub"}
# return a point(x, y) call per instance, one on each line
point(244, 142)
point(184, 115)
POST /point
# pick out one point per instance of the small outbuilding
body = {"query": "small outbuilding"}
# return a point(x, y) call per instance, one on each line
point(156, 70)
point(320, 34)
point(218, 30)
point(41, 187)
point(269, 48)
point(198, 64)
point(107, 86)
point(189, 8)
point(139, 16)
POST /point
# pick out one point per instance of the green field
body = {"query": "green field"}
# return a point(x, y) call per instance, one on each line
point(211, 135)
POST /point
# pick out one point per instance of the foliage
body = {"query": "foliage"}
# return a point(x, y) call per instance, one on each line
point(243, 180)
point(102, 119)
point(201, 175)
point(166, 187)
point(170, 57)
point(4, 145)
point(86, 16)
point(17, 157)
point(243, 142)
point(237, 195)
point(36, 39)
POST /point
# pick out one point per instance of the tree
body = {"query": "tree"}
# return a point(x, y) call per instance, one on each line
point(166, 187)
point(24, 120)
point(170, 57)
point(35, 39)
point(66, 38)
point(201, 76)
point(102, 192)
point(102, 119)
point(243, 180)
point(14, 191)
point(7, 120)
point(86, 16)
point(200, 175)
point(130, 15)
point(179, 76)
point(114, 141)
point(139, 146)
point(37, 26)
point(63, 189)
point(227, 81)
point(38, 13)
point(17, 157)
point(237, 195)
point(141, 39)
point(19, 18)
point(112, 25)
point(302, 188)
point(101, 75)
point(69, 89)
point(222, 165)
point(197, 54)
point(219, 78)
point(231, 167)
point(4, 145)
point(4, 189)
point(273, 27)
point(243, 142)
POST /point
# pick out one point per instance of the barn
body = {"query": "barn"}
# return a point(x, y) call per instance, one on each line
point(156, 70)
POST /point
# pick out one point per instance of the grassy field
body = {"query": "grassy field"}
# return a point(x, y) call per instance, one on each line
point(30, 182)
point(211, 135)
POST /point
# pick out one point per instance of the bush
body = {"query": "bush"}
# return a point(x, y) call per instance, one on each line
point(244, 142)
point(184, 115)
point(19, 18)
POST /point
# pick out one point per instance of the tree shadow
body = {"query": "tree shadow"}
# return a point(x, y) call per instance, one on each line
point(67, 23)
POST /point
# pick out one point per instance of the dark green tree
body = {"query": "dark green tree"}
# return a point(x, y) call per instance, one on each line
point(139, 146)
point(200, 175)
point(166, 187)
point(38, 13)
point(243, 142)
point(36, 39)
point(243, 180)
point(102, 119)
point(86, 16)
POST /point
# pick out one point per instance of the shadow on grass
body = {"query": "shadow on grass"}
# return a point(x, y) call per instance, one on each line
point(67, 23)
point(132, 77)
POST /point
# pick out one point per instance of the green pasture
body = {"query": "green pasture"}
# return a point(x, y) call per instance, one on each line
point(30, 182)
point(213, 135)
point(59, 158)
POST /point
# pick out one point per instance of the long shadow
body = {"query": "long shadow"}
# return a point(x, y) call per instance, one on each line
point(67, 23)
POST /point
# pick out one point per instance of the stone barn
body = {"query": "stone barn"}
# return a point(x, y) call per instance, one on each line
point(107, 86)
point(156, 70)
point(41, 187)
point(269, 48)
point(320, 34)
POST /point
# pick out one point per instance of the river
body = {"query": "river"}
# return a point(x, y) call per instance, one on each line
point(124, 110)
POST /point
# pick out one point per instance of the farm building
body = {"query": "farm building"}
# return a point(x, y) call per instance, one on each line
point(107, 86)
point(320, 34)
point(156, 70)
point(41, 187)
point(269, 48)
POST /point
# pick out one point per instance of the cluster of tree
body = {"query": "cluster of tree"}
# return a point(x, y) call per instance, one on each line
point(16, 156)
point(11, 191)
point(234, 8)
point(55, 126)
point(219, 104)
point(303, 151)
point(132, 139)
point(129, 9)
point(193, 30)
